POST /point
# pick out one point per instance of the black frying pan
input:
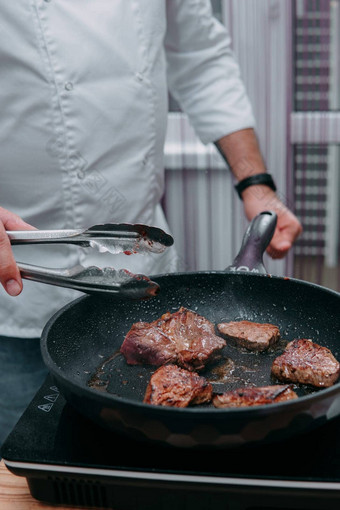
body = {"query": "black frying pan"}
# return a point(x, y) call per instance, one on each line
point(80, 346)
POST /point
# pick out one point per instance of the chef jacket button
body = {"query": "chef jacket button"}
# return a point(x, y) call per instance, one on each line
point(139, 77)
point(47, 1)
point(68, 86)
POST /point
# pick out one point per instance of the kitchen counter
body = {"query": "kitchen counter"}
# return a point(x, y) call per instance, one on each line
point(15, 494)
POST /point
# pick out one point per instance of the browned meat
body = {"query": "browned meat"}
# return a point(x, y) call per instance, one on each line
point(243, 397)
point(173, 386)
point(146, 343)
point(251, 335)
point(307, 363)
point(183, 337)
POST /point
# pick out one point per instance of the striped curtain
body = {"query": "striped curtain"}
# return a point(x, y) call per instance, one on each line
point(316, 136)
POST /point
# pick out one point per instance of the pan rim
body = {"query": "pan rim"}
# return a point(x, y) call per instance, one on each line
point(248, 274)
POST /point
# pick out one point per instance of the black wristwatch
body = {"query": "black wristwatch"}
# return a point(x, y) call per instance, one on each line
point(253, 180)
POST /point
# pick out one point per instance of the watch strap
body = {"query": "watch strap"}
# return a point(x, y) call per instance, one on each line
point(253, 180)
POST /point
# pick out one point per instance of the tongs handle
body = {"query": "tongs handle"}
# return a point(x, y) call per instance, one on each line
point(42, 236)
point(93, 280)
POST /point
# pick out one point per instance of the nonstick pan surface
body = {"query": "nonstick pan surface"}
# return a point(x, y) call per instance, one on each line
point(81, 343)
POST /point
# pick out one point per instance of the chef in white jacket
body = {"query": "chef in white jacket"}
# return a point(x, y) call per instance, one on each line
point(83, 109)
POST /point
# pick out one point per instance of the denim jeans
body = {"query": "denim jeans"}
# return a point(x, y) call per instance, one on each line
point(22, 372)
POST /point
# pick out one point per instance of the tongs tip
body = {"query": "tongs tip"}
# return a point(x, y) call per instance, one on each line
point(139, 285)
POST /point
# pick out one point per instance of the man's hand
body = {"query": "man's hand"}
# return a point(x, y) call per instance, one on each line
point(261, 198)
point(242, 153)
point(9, 273)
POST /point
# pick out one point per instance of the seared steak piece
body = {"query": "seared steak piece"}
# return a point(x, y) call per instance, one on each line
point(243, 397)
point(184, 338)
point(146, 343)
point(173, 386)
point(251, 335)
point(307, 363)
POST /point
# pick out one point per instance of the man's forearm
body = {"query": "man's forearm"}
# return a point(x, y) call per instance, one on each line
point(242, 153)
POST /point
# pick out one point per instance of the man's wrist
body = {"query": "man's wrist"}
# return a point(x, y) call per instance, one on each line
point(255, 180)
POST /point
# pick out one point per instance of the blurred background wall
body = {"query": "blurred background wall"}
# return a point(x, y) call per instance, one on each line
point(288, 53)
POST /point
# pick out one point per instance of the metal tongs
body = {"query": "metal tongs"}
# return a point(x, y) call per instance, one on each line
point(110, 237)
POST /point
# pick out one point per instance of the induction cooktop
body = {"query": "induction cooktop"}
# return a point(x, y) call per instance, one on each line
point(70, 460)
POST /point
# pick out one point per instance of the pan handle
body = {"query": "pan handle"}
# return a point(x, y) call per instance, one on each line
point(255, 241)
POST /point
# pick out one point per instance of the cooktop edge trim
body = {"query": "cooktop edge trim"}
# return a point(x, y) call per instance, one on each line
point(293, 484)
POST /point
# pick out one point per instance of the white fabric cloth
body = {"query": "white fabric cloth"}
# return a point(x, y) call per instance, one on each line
point(83, 103)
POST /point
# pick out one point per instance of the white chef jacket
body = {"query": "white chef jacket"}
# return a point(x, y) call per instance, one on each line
point(83, 102)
